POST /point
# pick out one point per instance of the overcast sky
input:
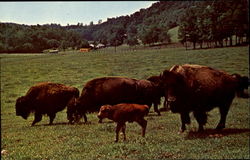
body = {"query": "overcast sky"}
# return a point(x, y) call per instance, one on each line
point(64, 13)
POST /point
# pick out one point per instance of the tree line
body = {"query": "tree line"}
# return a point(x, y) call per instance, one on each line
point(37, 38)
point(214, 23)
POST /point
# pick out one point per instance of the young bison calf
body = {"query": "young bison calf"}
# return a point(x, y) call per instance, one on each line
point(121, 113)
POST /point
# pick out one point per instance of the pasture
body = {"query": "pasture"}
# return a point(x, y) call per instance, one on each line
point(96, 141)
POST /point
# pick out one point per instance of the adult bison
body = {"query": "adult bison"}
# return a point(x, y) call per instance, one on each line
point(45, 98)
point(113, 90)
point(198, 89)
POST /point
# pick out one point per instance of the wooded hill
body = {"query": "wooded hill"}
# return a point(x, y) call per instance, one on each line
point(199, 22)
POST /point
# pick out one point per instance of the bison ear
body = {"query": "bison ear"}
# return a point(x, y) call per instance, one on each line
point(165, 74)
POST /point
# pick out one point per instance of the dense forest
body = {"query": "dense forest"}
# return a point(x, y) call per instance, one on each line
point(199, 22)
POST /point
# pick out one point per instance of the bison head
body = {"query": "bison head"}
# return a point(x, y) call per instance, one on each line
point(158, 83)
point(175, 90)
point(243, 83)
point(104, 111)
point(71, 110)
point(22, 107)
point(72, 114)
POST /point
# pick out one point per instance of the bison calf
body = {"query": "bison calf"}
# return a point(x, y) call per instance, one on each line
point(121, 113)
point(45, 98)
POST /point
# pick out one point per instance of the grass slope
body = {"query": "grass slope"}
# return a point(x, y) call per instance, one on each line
point(95, 141)
point(174, 34)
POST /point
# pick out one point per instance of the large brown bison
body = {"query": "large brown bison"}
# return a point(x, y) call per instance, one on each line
point(113, 90)
point(198, 89)
point(45, 98)
point(122, 113)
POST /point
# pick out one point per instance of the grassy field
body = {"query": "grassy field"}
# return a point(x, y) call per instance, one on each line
point(95, 141)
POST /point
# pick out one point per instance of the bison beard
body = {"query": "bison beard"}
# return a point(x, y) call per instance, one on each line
point(45, 98)
point(122, 113)
point(198, 89)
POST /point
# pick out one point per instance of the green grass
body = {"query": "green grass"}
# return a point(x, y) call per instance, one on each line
point(174, 34)
point(95, 141)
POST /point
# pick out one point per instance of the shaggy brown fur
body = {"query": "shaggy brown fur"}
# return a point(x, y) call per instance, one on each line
point(198, 89)
point(114, 90)
point(122, 113)
point(45, 98)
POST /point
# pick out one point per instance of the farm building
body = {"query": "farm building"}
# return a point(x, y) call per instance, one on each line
point(53, 51)
point(85, 49)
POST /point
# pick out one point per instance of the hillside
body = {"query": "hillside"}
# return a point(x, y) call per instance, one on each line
point(200, 22)
point(164, 13)
point(174, 34)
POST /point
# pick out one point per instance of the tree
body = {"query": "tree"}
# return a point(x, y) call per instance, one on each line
point(217, 21)
point(64, 45)
point(154, 34)
point(164, 36)
point(27, 47)
point(132, 41)
point(132, 38)
point(52, 43)
point(116, 36)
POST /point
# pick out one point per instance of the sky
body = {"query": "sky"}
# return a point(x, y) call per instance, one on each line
point(32, 13)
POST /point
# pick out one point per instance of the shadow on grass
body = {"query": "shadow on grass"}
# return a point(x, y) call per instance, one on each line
point(213, 133)
point(53, 124)
point(62, 123)
point(153, 114)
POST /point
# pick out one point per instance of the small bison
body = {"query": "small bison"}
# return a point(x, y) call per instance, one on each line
point(124, 112)
point(45, 98)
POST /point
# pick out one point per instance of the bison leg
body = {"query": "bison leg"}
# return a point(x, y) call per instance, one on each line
point(201, 118)
point(185, 119)
point(51, 118)
point(166, 105)
point(118, 128)
point(223, 114)
point(123, 131)
point(38, 118)
point(85, 118)
point(143, 123)
point(156, 109)
point(100, 120)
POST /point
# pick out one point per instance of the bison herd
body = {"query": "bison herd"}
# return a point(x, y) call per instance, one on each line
point(186, 88)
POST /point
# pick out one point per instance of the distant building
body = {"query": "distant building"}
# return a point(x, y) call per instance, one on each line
point(85, 49)
point(92, 45)
point(53, 51)
point(100, 45)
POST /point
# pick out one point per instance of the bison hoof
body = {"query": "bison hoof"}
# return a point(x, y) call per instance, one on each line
point(181, 131)
point(200, 130)
point(220, 127)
